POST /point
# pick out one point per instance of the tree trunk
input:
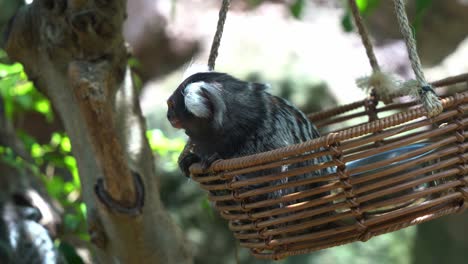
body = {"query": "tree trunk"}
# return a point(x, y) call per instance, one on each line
point(442, 241)
point(74, 53)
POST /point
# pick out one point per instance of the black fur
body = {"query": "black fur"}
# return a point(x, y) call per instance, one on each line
point(253, 121)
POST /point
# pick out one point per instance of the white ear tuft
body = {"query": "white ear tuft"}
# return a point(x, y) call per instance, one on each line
point(195, 102)
point(195, 68)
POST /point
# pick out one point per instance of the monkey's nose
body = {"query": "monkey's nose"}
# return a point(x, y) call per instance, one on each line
point(175, 123)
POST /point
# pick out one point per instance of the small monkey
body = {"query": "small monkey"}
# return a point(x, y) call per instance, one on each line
point(225, 118)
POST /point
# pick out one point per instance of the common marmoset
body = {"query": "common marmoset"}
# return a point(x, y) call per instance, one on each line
point(226, 118)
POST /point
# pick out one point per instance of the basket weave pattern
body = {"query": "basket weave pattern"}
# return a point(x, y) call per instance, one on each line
point(356, 202)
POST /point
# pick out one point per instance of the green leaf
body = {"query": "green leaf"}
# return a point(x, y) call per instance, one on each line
point(71, 222)
point(162, 144)
point(421, 8)
point(42, 106)
point(362, 4)
point(6, 69)
point(36, 151)
point(422, 5)
point(65, 145)
point(69, 253)
point(25, 102)
point(366, 6)
point(55, 158)
point(137, 82)
point(55, 187)
point(27, 140)
point(346, 22)
point(23, 88)
point(69, 187)
point(134, 62)
point(255, 3)
point(205, 204)
point(297, 8)
point(56, 139)
point(83, 209)
point(73, 168)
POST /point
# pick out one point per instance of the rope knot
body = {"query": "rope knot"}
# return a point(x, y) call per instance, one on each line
point(430, 100)
point(428, 97)
point(426, 89)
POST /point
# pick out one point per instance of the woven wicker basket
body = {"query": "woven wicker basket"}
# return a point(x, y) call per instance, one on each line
point(393, 168)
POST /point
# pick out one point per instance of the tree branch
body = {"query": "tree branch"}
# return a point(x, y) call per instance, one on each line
point(74, 52)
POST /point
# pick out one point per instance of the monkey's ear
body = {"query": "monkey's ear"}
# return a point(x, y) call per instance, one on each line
point(195, 100)
point(214, 96)
point(204, 100)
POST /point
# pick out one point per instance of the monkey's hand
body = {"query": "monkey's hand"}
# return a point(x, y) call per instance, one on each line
point(206, 162)
point(186, 160)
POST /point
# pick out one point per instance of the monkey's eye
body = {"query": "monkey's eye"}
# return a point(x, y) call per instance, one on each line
point(170, 104)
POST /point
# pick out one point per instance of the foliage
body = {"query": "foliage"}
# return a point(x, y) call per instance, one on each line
point(55, 165)
point(296, 7)
point(366, 7)
point(53, 162)
point(421, 8)
point(167, 149)
point(19, 94)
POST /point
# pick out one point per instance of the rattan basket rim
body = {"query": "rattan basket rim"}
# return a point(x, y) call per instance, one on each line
point(335, 137)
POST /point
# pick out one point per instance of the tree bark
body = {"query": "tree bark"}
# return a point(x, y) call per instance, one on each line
point(74, 53)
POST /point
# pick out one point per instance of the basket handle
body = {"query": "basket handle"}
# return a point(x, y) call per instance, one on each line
point(385, 85)
point(424, 90)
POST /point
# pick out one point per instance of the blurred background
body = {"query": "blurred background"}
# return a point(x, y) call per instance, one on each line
point(309, 52)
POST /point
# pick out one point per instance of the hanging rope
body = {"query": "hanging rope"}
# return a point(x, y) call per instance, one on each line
point(219, 33)
point(379, 83)
point(423, 90)
point(211, 60)
point(364, 35)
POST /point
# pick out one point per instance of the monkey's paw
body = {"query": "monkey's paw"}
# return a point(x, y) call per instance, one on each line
point(186, 161)
point(206, 163)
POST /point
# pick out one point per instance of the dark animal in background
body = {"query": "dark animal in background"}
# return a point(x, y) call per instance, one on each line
point(23, 240)
point(225, 118)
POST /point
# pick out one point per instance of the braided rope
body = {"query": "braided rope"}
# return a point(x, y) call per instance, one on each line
point(219, 33)
point(381, 84)
point(364, 35)
point(423, 90)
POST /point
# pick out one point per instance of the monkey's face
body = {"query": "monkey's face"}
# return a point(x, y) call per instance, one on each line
point(176, 112)
point(197, 104)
